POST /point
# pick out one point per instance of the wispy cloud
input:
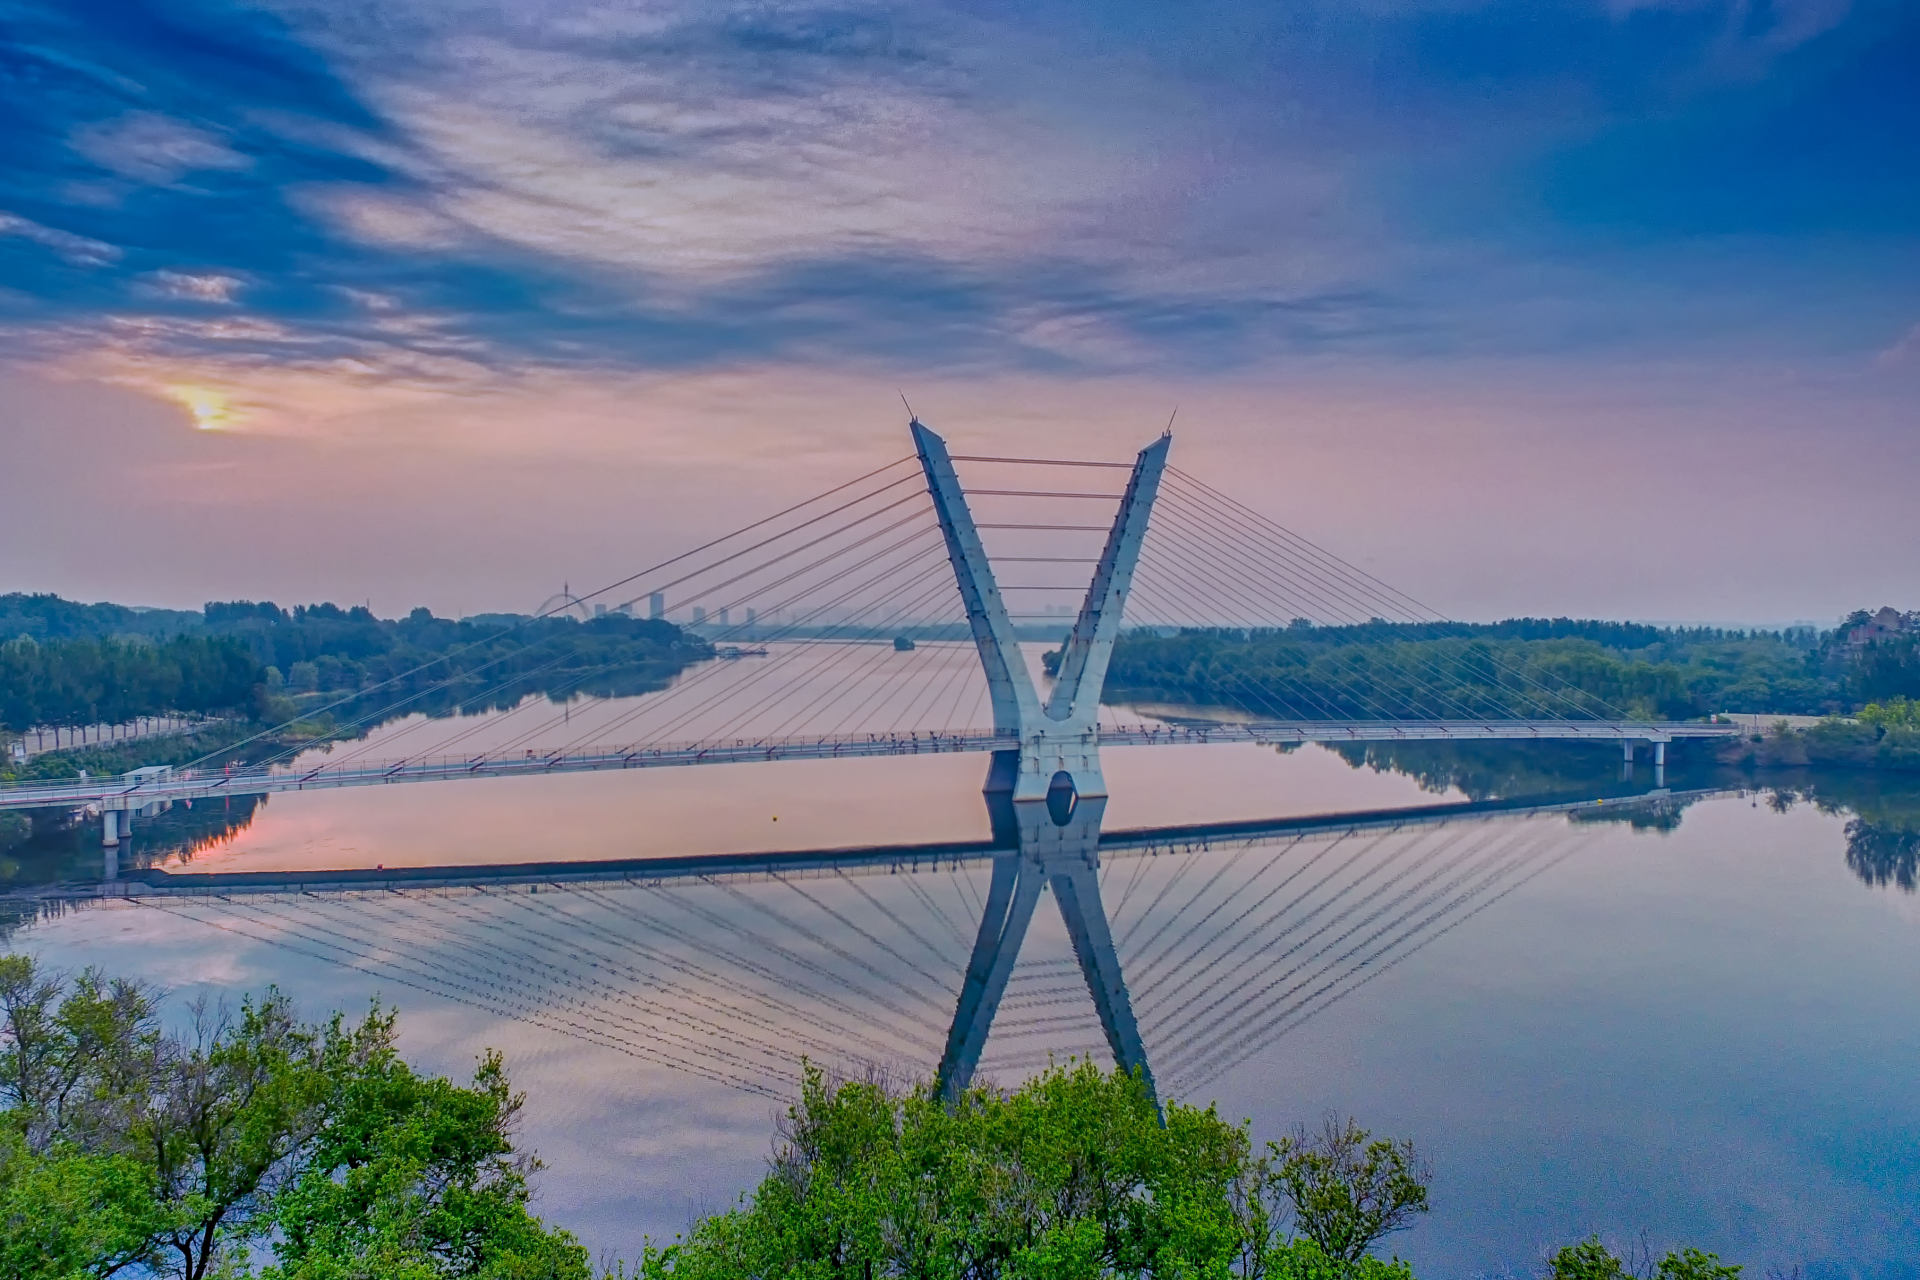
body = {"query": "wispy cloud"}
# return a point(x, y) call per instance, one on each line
point(151, 148)
point(1903, 353)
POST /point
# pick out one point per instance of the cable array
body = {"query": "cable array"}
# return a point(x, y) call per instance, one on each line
point(1226, 949)
point(1212, 563)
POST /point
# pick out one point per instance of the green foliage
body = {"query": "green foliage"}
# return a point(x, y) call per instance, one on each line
point(122, 1144)
point(48, 617)
point(1894, 713)
point(67, 1214)
point(1439, 670)
point(415, 1178)
point(109, 681)
point(1074, 1175)
point(1592, 1260)
point(1349, 1189)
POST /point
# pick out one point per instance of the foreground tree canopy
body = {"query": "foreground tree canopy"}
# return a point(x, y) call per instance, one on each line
point(128, 1149)
point(253, 1144)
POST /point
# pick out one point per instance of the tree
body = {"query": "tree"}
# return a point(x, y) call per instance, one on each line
point(1592, 1260)
point(122, 1144)
point(1348, 1189)
point(415, 1178)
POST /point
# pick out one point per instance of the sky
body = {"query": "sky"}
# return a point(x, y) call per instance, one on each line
point(1597, 307)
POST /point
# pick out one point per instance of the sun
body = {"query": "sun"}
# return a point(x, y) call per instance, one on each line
point(209, 408)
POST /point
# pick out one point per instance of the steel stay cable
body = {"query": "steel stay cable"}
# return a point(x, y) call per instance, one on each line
point(1569, 848)
point(793, 957)
point(828, 945)
point(1147, 957)
point(389, 708)
point(1420, 614)
point(1343, 612)
point(1267, 934)
point(745, 1000)
point(589, 673)
point(817, 653)
point(1353, 613)
point(859, 929)
point(542, 949)
point(1253, 691)
point(1263, 591)
point(1259, 692)
point(1191, 1015)
point(879, 693)
point(1150, 979)
point(934, 909)
point(808, 645)
point(1266, 589)
point(1349, 684)
point(1482, 877)
point(855, 676)
point(499, 1003)
point(1225, 1053)
point(798, 648)
point(537, 617)
point(584, 1002)
point(670, 692)
point(744, 1003)
point(781, 979)
point(1247, 512)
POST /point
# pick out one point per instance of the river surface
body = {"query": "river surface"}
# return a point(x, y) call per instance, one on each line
point(1700, 1029)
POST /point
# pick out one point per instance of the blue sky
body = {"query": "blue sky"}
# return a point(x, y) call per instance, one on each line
point(490, 247)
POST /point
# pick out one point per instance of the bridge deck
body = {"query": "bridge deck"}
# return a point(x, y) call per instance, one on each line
point(124, 793)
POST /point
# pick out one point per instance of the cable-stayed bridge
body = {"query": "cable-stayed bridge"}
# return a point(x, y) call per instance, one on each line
point(905, 548)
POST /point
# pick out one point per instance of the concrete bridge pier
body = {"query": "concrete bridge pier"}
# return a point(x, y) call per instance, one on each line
point(1659, 764)
point(115, 824)
point(1626, 759)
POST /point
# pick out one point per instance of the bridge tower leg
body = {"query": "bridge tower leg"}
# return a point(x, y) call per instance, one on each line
point(1061, 735)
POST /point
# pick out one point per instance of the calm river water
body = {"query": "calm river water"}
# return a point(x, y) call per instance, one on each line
point(1699, 1030)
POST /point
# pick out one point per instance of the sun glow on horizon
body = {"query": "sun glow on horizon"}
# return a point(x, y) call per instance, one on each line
point(210, 408)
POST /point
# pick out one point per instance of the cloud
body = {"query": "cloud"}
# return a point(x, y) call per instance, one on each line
point(187, 286)
point(147, 147)
point(1904, 353)
point(80, 250)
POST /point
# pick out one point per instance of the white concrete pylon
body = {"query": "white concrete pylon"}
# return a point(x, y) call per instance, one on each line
point(1063, 735)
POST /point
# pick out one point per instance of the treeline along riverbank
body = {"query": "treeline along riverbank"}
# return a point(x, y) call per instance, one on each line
point(63, 663)
point(1420, 670)
point(309, 674)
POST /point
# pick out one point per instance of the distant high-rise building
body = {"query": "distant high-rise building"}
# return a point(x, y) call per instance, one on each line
point(599, 611)
point(753, 616)
point(699, 615)
point(723, 617)
point(657, 605)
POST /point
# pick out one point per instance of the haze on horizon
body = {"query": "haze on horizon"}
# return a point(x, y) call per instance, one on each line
point(1605, 307)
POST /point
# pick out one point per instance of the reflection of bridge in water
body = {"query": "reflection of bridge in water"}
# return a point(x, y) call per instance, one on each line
point(1184, 951)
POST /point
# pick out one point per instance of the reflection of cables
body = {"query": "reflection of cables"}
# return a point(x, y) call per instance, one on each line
point(1231, 1050)
point(1229, 1025)
point(489, 1002)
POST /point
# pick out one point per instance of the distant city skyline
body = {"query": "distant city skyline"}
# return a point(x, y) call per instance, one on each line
point(1609, 308)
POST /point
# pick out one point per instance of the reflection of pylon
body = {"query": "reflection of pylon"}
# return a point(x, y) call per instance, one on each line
point(1057, 846)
